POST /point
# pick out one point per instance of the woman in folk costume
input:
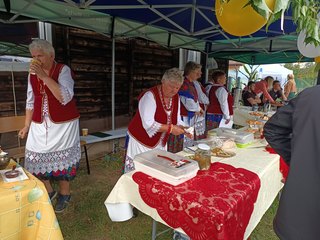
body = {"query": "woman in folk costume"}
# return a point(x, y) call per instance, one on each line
point(53, 143)
point(194, 100)
point(157, 117)
point(221, 101)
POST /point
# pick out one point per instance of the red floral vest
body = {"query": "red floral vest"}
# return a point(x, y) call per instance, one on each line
point(214, 106)
point(58, 113)
point(139, 133)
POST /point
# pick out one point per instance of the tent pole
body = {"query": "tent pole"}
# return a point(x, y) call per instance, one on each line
point(13, 89)
point(113, 73)
point(206, 71)
point(113, 82)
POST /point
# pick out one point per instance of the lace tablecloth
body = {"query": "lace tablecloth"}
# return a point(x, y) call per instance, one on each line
point(256, 159)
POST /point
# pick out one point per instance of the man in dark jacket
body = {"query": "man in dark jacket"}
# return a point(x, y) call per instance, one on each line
point(294, 133)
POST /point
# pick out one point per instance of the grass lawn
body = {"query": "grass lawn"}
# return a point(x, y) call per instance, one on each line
point(87, 218)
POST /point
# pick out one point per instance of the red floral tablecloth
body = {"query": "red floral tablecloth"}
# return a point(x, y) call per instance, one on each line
point(216, 204)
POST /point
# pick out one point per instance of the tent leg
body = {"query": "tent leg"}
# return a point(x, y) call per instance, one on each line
point(154, 230)
point(113, 83)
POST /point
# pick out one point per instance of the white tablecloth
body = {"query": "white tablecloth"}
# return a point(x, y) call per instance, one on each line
point(253, 158)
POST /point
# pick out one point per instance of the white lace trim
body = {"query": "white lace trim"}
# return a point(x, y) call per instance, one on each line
point(129, 164)
point(47, 162)
point(29, 106)
point(66, 96)
point(151, 131)
point(45, 109)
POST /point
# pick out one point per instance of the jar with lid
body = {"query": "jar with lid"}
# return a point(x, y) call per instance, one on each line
point(203, 156)
point(4, 159)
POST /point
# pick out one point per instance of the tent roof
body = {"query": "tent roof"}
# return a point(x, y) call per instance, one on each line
point(190, 24)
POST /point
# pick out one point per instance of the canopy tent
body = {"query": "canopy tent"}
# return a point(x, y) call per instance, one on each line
point(190, 24)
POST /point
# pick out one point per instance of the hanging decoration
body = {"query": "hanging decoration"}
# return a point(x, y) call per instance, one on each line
point(304, 15)
point(239, 19)
point(308, 49)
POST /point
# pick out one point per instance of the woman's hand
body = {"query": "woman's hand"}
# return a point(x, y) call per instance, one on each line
point(36, 68)
point(23, 132)
point(200, 113)
point(177, 130)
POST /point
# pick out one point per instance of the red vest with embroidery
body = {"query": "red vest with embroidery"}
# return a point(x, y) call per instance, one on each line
point(58, 113)
point(139, 133)
point(214, 106)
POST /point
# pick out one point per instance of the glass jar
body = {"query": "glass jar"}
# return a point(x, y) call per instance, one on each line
point(203, 156)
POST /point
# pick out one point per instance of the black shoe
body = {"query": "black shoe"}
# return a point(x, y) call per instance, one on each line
point(62, 203)
point(53, 195)
point(135, 212)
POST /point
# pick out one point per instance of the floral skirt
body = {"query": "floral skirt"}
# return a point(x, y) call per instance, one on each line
point(175, 143)
point(60, 175)
point(213, 120)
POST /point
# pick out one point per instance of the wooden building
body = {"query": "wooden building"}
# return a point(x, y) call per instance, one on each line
point(139, 64)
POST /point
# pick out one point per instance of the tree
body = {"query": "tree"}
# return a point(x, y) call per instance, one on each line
point(250, 72)
point(304, 73)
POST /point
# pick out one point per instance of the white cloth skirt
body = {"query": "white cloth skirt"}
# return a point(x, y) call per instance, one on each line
point(52, 147)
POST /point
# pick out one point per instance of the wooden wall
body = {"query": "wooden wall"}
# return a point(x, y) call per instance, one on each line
point(139, 65)
point(7, 96)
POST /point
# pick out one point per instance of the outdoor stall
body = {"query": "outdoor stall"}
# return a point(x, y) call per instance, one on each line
point(225, 202)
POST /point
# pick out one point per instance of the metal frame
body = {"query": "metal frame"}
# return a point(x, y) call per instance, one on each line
point(207, 33)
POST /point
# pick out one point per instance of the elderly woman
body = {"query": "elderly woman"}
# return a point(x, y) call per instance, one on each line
point(290, 89)
point(193, 99)
point(157, 117)
point(53, 144)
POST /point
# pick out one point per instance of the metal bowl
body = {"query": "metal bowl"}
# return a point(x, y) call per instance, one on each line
point(4, 162)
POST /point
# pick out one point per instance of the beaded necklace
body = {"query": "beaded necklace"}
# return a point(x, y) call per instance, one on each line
point(165, 106)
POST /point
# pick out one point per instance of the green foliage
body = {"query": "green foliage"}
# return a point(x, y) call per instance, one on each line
point(260, 7)
point(304, 15)
point(305, 74)
point(250, 72)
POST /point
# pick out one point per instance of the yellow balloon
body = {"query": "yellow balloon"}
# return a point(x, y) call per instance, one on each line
point(238, 20)
point(317, 59)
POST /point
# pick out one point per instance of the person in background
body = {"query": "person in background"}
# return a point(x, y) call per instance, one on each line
point(277, 94)
point(290, 89)
point(294, 134)
point(157, 117)
point(221, 102)
point(249, 97)
point(262, 87)
point(194, 100)
point(52, 123)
